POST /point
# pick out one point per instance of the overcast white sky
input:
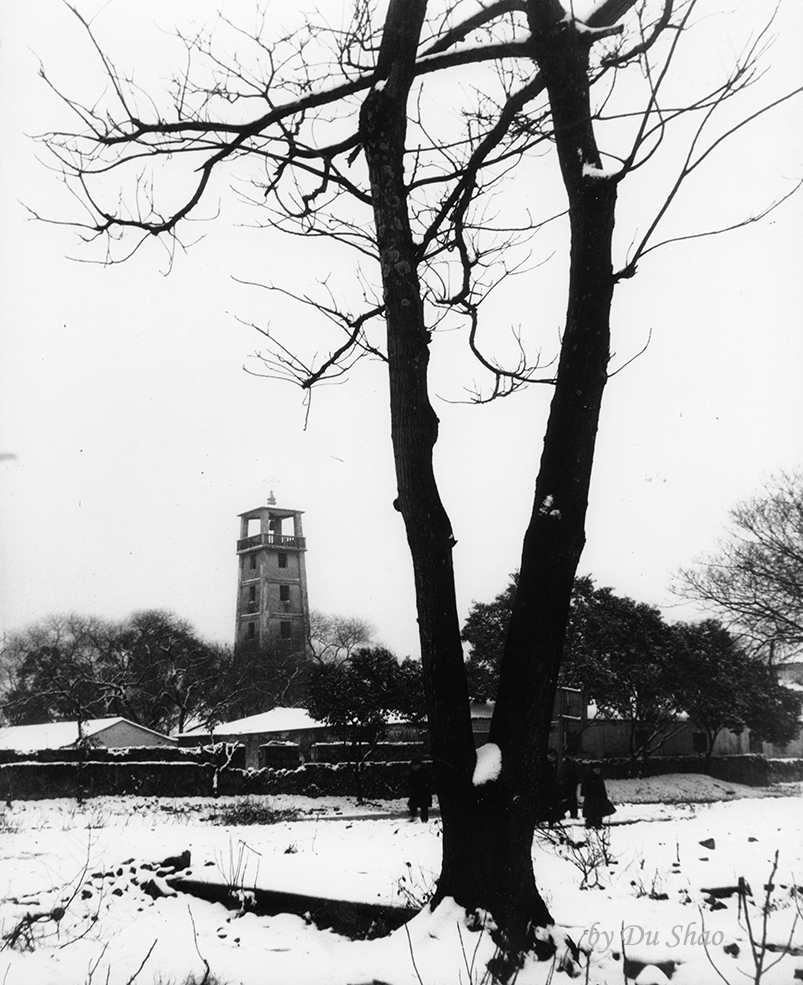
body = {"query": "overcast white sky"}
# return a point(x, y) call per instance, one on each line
point(139, 438)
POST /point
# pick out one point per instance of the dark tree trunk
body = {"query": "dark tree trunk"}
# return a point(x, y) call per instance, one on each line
point(488, 830)
point(556, 534)
point(414, 431)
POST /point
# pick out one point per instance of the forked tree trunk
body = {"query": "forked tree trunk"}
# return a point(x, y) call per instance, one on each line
point(414, 431)
point(555, 536)
point(488, 830)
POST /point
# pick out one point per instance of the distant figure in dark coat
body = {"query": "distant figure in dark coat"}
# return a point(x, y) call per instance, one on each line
point(568, 780)
point(550, 807)
point(419, 789)
point(595, 799)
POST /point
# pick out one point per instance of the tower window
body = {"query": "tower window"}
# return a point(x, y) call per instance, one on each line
point(285, 630)
point(252, 630)
point(282, 560)
point(252, 593)
point(253, 562)
point(284, 593)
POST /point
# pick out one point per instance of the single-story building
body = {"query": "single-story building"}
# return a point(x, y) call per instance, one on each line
point(609, 738)
point(281, 726)
point(277, 725)
point(603, 738)
point(113, 733)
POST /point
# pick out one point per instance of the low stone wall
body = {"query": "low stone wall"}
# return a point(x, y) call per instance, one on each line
point(37, 781)
point(383, 752)
point(43, 781)
point(785, 770)
point(279, 756)
point(384, 781)
point(753, 770)
point(129, 754)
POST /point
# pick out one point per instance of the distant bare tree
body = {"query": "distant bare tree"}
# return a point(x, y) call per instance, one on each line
point(254, 679)
point(334, 638)
point(755, 578)
point(150, 668)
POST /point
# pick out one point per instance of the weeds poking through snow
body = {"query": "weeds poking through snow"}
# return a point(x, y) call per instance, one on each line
point(758, 936)
point(191, 980)
point(35, 926)
point(8, 825)
point(476, 971)
point(235, 868)
point(415, 888)
point(251, 810)
point(654, 890)
point(588, 856)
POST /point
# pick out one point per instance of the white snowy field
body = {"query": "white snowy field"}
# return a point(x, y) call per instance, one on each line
point(75, 910)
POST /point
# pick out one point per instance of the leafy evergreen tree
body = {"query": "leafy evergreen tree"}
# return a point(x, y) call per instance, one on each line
point(357, 698)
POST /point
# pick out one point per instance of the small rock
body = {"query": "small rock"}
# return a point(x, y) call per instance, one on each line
point(721, 892)
point(156, 888)
point(177, 861)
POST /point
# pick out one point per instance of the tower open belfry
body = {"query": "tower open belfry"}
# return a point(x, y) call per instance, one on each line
point(272, 601)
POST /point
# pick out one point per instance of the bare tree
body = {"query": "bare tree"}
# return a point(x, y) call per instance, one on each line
point(755, 578)
point(339, 122)
point(150, 668)
point(334, 638)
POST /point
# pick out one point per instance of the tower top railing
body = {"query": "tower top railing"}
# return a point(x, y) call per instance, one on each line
point(272, 540)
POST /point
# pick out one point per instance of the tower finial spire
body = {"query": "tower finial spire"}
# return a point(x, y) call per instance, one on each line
point(271, 499)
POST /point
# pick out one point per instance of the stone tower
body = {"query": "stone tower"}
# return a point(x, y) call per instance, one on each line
point(272, 602)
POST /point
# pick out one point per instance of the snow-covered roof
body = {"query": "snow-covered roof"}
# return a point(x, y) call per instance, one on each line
point(275, 720)
point(56, 735)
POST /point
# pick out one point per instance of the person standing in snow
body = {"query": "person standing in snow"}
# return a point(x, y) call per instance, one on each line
point(419, 790)
point(595, 799)
point(568, 780)
point(550, 807)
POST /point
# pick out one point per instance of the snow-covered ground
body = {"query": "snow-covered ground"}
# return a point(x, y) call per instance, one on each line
point(78, 904)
